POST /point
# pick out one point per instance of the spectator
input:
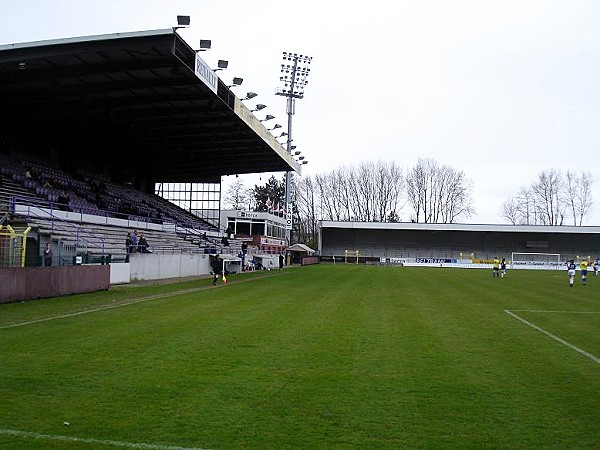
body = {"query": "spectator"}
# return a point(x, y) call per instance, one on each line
point(63, 201)
point(281, 260)
point(224, 241)
point(134, 242)
point(143, 244)
point(47, 255)
point(243, 254)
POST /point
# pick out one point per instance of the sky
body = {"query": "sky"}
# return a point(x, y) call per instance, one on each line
point(501, 90)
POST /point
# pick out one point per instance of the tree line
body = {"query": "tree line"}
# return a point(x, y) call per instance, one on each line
point(555, 198)
point(380, 191)
point(428, 192)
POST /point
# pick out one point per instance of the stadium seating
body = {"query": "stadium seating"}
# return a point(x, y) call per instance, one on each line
point(39, 186)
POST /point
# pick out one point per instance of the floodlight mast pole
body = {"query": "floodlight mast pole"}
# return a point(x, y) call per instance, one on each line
point(290, 109)
point(293, 88)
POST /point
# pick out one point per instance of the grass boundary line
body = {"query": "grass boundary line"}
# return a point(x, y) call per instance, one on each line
point(554, 312)
point(553, 336)
point(126, 303)
point(107, 442)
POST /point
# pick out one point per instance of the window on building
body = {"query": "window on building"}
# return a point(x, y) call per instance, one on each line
point(201, 199)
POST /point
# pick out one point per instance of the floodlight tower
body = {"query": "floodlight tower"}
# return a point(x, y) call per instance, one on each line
point(294, 74)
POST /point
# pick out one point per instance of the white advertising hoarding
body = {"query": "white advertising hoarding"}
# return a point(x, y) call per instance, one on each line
point(206, 74)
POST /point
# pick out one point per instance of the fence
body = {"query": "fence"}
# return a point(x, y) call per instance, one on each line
point(13, 246)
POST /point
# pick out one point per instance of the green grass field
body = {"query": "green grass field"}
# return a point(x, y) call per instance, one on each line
point(334, 357)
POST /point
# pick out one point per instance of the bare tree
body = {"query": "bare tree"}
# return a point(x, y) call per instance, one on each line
point(389, 182)
point(237, 195)
point(527, 208)
point(456, 200)
point(510, 211)
point(578, 195)
point(417, 189)
point(520, 210)
point(369, 192)
point(438, 194)
point(250, 199)
point(306, 201)
point(328, 205)
point(550, 199)
point(547, 192)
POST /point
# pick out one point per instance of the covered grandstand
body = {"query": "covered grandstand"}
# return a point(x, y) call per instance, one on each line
point(375, 240)
point(104, 120)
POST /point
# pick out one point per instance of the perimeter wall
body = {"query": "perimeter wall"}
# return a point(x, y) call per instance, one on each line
point(27, 283)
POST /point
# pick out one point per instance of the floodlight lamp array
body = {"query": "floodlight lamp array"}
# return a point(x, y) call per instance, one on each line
point(289, 56)
point(294, 76)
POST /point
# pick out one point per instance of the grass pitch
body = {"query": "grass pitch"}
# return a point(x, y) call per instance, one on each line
point(325, 356)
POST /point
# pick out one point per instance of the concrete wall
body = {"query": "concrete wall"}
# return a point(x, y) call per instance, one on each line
point(150, 266)
point(120, 273)
point(38, 282)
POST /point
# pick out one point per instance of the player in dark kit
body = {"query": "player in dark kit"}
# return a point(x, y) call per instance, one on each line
point(571, 271)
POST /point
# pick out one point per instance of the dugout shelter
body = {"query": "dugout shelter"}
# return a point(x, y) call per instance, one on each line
point(375, 240)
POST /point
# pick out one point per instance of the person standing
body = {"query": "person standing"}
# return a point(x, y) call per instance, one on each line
point(281, 260)
point(503, 267)
point(244, 253)
point(583, 266)
point(133, 242)
point(47, 255)
point(596, 266)
point(496, 267)
point(571, 271)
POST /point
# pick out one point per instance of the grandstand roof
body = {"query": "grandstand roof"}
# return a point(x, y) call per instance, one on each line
point(459, 227)
point(133, 99)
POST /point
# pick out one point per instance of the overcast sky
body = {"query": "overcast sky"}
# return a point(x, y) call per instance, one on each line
point(499, 89)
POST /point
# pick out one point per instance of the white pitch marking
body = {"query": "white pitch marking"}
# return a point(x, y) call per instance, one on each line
point(556, 338)
point(555, 312)
point(56, 437)
point(87, 311)
point(140, 300)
